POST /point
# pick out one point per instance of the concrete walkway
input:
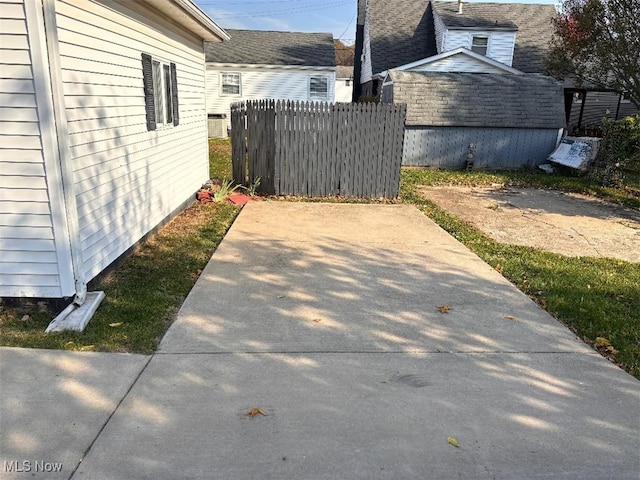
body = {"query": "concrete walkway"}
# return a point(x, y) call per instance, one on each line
point(325, 317)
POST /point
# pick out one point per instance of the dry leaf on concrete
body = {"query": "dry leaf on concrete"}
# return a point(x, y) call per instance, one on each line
point(256, 411)
point(453, 441)
point(444, 308)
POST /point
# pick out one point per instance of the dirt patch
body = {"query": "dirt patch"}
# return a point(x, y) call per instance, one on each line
point(565, 223)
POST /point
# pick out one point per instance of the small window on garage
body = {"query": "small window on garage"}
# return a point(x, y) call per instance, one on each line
point(230, 84)
point(318, 87)
point(480, 44)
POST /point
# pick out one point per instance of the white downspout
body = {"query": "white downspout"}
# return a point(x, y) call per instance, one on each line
point(71, 209)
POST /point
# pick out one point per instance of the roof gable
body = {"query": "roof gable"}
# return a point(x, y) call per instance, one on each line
point(256, 47)
point(402, 31)
point(462, 56)
point(533, 23)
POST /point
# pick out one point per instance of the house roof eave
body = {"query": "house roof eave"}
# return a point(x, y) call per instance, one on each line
point(190, 16)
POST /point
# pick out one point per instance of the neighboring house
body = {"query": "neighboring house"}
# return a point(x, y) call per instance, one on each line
point(586, 107)
point(103, 133)
point(257, 64)
point(344, 84)
point(472, 76)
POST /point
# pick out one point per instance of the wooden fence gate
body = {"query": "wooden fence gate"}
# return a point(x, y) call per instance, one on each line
point(318, 149)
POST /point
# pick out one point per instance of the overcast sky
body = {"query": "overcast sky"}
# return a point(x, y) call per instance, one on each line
point(333, 16)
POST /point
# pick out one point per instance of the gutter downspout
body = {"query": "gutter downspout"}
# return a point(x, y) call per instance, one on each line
point(71, 209)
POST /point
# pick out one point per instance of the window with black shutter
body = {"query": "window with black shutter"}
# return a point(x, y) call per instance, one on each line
point(160, 92)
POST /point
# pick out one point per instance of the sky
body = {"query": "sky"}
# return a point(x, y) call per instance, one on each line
point(328, 16)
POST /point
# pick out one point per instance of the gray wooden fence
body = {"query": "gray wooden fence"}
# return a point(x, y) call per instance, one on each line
point(318, 149)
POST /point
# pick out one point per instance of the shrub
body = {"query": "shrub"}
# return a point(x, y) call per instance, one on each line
point(619, 152)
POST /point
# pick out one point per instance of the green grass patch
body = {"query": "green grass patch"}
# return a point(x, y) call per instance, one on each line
point(627, 196)
point(596, 298)
point(145, 292)
point(220, 159)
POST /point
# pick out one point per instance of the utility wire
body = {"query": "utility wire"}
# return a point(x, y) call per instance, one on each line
point(350, 22)
point(291, 10)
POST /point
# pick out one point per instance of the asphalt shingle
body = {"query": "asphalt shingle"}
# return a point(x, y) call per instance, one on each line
point(479, 100)
point(257, 47)
point(402, 31)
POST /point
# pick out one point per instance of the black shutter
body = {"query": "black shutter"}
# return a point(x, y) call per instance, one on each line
point(149, 102)
point(174, 94)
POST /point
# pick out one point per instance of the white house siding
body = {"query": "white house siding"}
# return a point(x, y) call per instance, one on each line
point(28, 256)
point(343, 90)
point(458, 63)
point(501, 44)
point(440, 31)
point(263, 82)
point(366, 72)
point(126, 179)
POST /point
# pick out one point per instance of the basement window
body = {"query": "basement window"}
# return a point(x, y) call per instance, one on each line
point(479, 45)
point(160, 92)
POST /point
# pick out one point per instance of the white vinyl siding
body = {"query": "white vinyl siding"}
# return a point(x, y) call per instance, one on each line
point(262, 82)
point(28, 255)
point(366, 72)
point(458, 63)
point(127, 179)
point(440, 32)
point(500, 44)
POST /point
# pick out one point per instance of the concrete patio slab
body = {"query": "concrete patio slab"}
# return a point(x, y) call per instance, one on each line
point(373, 416)
point(326, 318)
point(54, 404)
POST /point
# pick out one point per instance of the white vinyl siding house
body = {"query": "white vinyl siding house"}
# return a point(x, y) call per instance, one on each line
point(30, 257)
point(264, 82)
point(256, 65)
point(122, 154)
point(499, 45)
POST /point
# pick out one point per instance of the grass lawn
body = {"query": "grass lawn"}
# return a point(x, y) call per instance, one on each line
point(599, 299)
point(145, 292)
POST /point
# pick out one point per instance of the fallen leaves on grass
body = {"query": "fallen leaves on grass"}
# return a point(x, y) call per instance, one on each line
point(256, 411)
point(603, 344)
point(114, 325)
point(444, 308)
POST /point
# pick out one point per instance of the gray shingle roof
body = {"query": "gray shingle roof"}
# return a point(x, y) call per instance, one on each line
point(479, 100)
point(402, 31)
point(475, 15)
point(533, 22)
point(257, 47)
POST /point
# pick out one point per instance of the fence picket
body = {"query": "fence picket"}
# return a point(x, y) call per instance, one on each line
point(318, 149)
